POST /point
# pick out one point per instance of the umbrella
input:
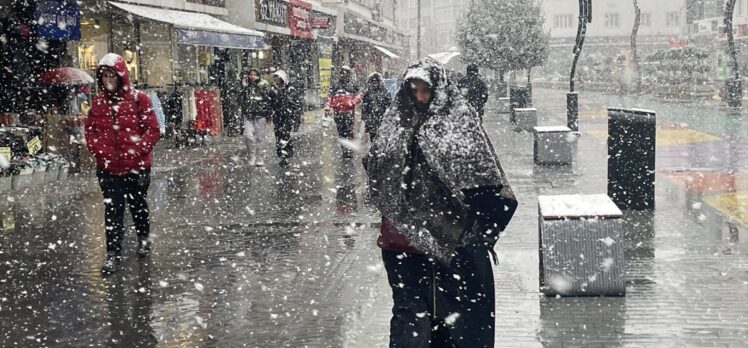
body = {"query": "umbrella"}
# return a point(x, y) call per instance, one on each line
point(444, 57)
point(66, 76)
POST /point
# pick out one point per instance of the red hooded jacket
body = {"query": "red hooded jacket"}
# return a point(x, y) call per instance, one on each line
point(121, 129)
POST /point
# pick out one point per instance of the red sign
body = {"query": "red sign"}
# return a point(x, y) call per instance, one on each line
point(299, 18)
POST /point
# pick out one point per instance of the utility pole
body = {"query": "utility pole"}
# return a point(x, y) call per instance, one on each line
point(418, 35)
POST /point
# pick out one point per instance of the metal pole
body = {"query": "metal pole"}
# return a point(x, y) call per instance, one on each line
point(418, 35)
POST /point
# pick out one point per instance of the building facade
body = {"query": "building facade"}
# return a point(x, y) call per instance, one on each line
point(439, 19)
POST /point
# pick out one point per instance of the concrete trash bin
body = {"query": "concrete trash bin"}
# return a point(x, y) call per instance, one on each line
point(504, 106)
point(62, 174)
point(6, 181)
point(553, 145)
point(631, 158)
point(22, 178)
point(581, 246)
point(53, 171)
point(525, 119)
point(39, 172)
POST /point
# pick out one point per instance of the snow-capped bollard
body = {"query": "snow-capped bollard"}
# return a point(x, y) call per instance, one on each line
point(581, 246)
point(504, 106)
point(631, 158)
point(525, 119)
point(553, 145)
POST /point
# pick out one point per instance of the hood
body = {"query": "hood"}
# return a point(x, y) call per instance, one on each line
point(433, 73)
point(116, 63)
point(472, 70)
point(281, 75)
point(374, 75)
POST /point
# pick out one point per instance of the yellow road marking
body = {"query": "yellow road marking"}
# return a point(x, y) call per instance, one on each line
point(734, 204)
point(667, 136)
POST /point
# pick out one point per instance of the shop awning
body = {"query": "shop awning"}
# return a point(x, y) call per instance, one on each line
point(387, 52)
point(198, 28)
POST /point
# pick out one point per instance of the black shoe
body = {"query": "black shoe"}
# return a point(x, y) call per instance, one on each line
point(144, 248)
point(283, 162)
point(110, 265)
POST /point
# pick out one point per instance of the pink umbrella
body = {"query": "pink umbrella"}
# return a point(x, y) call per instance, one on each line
point(66, 76)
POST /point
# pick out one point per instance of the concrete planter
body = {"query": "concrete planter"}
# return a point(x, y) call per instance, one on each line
point(53, 171)
point(62, 174)
point(38, 175)
point(22, 179)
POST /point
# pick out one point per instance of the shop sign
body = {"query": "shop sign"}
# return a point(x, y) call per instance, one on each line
point(355, 25)
point(325, 76)
point(34, 145)
point(299, 17)
point(273, 11)
point(214, 39)
point(5, 153)
point(320, 22)
point(58, 20)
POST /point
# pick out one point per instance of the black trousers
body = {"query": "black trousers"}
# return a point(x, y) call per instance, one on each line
point(283, 145)
point(120, 191)
point(344, 123)
point(440, 306)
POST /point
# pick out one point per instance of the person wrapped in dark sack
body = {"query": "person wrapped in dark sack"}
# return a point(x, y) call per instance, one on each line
point(283, 106)
point(341, 102)
point(444, 199)
point(255, 105)
point(375, 102)
point(474, 89)
point(121, 131)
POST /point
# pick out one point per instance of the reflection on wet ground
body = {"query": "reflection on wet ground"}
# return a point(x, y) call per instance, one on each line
point(286, 257)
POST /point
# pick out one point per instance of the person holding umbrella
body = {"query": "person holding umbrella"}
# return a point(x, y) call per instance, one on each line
point(121, 131)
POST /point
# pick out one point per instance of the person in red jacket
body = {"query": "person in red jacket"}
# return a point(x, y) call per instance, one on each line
point(121, 132)
point(341, 102)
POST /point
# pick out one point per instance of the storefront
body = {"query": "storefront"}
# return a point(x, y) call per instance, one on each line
point(368, 46)
point(187, 59)
point(299, 35)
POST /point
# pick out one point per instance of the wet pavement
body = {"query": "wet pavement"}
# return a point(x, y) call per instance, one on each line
point(286, 257)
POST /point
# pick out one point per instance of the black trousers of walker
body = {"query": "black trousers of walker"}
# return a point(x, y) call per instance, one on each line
point(120, 192)
point(440, 306)
point(283, 144)
point(344, 121)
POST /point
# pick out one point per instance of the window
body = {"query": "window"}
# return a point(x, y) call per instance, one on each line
point(646, 19)
point(673, 19)
point(563, 21)
point(612, 20)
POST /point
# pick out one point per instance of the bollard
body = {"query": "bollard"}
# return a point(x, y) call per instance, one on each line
point(572, 111)
point(580, 246)
point(631, 158)
point(525, 119)
point(517, 99)
point(734, 92)
point(553, 145)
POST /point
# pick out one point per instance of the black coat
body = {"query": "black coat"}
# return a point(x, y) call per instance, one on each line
point(477, 91)
point(255, 100)
point(284, 104)
point(456, 192)
point(375, 104)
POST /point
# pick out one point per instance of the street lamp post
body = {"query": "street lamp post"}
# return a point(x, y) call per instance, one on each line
point(418, 35)
point(572, 98)
point(734, 84)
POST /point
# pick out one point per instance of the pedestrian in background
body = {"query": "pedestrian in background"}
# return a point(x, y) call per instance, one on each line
point(284, 107)
point(375, 102)
point(474, 89)
point(121, 131)
point(341, 104)
point(255, 105)
point(441, 216)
